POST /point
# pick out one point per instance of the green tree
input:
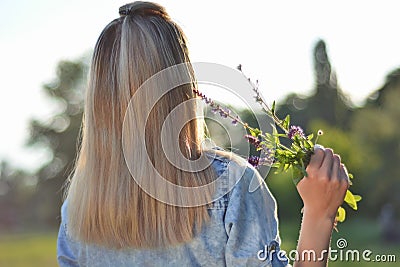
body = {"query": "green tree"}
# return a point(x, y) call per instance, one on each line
point(59, 135)
point(376, 127)
point(327, 102)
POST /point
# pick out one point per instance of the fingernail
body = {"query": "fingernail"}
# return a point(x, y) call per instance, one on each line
point(319, 146)
point(345, 169)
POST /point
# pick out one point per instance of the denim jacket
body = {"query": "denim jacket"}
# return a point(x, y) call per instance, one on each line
point(242, 231)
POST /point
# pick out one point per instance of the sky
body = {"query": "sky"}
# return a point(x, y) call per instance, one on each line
point(273, 40)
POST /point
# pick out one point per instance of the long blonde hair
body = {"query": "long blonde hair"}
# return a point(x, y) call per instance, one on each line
point(106, 206)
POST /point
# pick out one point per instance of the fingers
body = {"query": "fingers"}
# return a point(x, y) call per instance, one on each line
point(327, 164)
point(345, 176)
point(317, 158)
point(324, 163)
point(339, 172)
point(336, 167)
point(343, 167)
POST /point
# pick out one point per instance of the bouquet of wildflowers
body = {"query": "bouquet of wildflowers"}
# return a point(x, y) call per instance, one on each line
point(273, 152)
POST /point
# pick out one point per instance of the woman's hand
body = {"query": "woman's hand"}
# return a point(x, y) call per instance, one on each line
point(322, 191)
point(324, 188)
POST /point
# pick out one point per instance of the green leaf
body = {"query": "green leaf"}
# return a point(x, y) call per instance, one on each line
point(275, 134)
point(357, 198)
point(350, 200)
point(254, 132)
point(286, 123)
point(308, 144)
point(286, 167)
point(341, 214)
point(273, 108)
point(268, 138)
point(276, 165)
point(310, 137)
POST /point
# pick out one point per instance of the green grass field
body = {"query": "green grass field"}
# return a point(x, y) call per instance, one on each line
point(39, 249)
point(28, 250)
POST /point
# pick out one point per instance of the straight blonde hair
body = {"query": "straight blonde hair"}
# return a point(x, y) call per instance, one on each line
point(106, 206)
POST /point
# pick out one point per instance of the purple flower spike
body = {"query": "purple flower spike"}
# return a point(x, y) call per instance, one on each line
point(252, 140)
point(295, 131)
point(254, 160)
point(235, 121)
point(265, 161)
point(268, 158)
point(223, 114)
point(215, 109)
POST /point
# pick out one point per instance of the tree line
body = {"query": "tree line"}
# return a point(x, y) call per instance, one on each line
point(367, 138)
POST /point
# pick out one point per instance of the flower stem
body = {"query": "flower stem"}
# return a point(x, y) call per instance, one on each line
point(285, 147)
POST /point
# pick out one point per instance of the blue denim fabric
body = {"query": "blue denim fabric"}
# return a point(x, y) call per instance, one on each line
point(242, 229)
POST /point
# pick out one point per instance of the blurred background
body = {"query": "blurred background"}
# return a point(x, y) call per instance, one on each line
point(333, 66)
